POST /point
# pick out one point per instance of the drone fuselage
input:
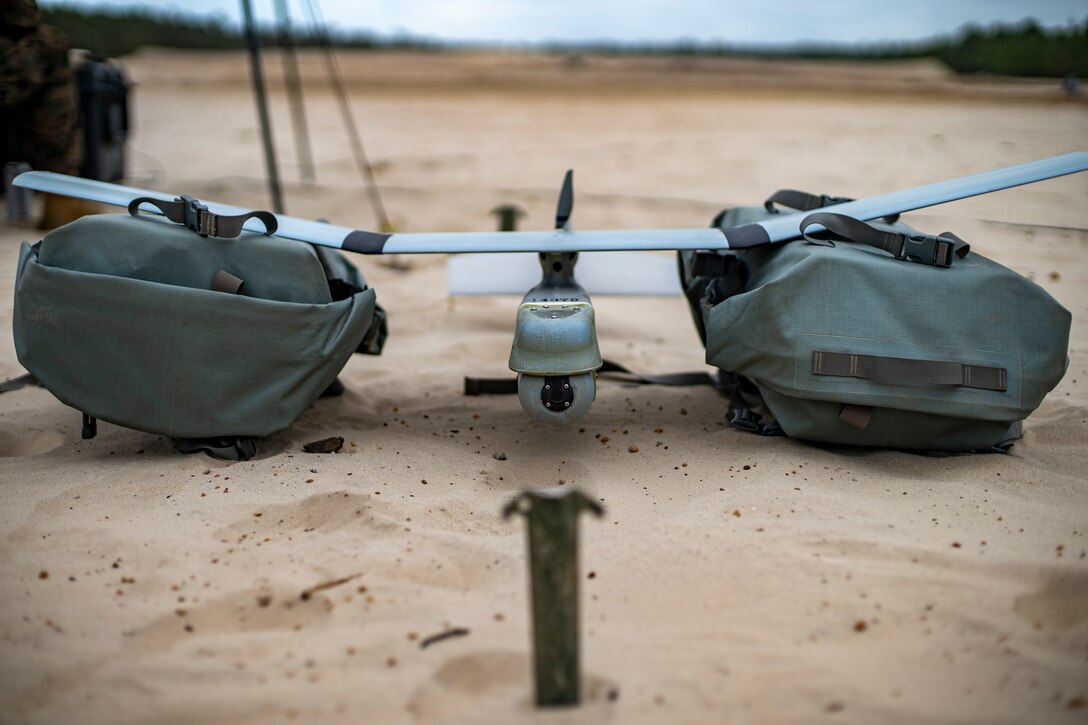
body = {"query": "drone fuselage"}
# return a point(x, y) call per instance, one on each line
point(555, 351)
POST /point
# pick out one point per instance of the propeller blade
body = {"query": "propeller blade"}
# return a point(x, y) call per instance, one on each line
point(565, 207)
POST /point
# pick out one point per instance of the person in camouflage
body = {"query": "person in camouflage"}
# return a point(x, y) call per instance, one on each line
point(38, 103)
point(39, 106)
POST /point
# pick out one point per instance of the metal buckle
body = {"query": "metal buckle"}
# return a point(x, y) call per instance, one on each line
point(928, 249)
point(198, 217)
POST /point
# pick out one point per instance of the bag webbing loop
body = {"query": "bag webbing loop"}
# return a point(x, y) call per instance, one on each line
point(937, 251)
point(908, 371)
point(803, 201)
point(196, 216)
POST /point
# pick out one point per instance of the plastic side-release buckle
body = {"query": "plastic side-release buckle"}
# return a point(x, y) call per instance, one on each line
point(198, 217)
point(751, 422)
point(936, 251)
point(190, 213)
point(745, 420)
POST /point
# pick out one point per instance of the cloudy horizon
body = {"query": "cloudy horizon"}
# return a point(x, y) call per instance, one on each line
point(741, 22)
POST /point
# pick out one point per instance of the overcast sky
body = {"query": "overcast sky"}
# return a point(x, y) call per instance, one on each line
point(734, 21)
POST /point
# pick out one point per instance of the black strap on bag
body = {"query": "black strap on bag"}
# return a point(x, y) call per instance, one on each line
point(614, 371)
point(803, 201)
point(743, 395)
point(608, 370)
point(191, 213)
point(491, 386)
point(738, 388)
point(89, 427)
point(342, 280)
point(12, 384)
point(90, 423)
point(937, 251)
point(227, 448)
point(708, 277)
point(909, 371)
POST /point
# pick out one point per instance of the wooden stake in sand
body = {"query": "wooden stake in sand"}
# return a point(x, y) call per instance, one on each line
point(553, 573)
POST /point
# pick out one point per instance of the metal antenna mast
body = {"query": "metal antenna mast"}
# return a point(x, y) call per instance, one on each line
point(294, 92)
point(337, 83)
point(262, 106)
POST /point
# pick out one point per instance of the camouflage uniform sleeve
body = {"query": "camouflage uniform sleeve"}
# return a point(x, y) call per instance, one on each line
point(21, 68)
point(37, 92)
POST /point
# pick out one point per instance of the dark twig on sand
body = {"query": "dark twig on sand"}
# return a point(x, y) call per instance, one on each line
point(326, 585)
point(455, 632)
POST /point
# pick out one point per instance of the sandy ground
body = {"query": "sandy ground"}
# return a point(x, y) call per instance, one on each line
point(733, 578)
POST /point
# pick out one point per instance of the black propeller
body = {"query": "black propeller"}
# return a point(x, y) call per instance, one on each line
point(566, 201)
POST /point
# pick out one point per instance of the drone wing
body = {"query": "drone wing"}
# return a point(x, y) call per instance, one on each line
point(354, 240)
point(777, 229)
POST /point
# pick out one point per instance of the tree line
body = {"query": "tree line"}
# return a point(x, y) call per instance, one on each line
point(1025, 48)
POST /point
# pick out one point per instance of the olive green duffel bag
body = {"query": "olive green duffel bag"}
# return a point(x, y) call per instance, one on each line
point(215, 341)
point(882, 337)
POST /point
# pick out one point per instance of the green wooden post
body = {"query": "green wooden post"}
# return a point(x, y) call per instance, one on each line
point(552, 515)
point(508, 215)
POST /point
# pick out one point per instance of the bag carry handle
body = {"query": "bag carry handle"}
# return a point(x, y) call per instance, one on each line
point(804, 201)
point(908, 371)
point(801, 200)
point(196, 216)
point(937, 251)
